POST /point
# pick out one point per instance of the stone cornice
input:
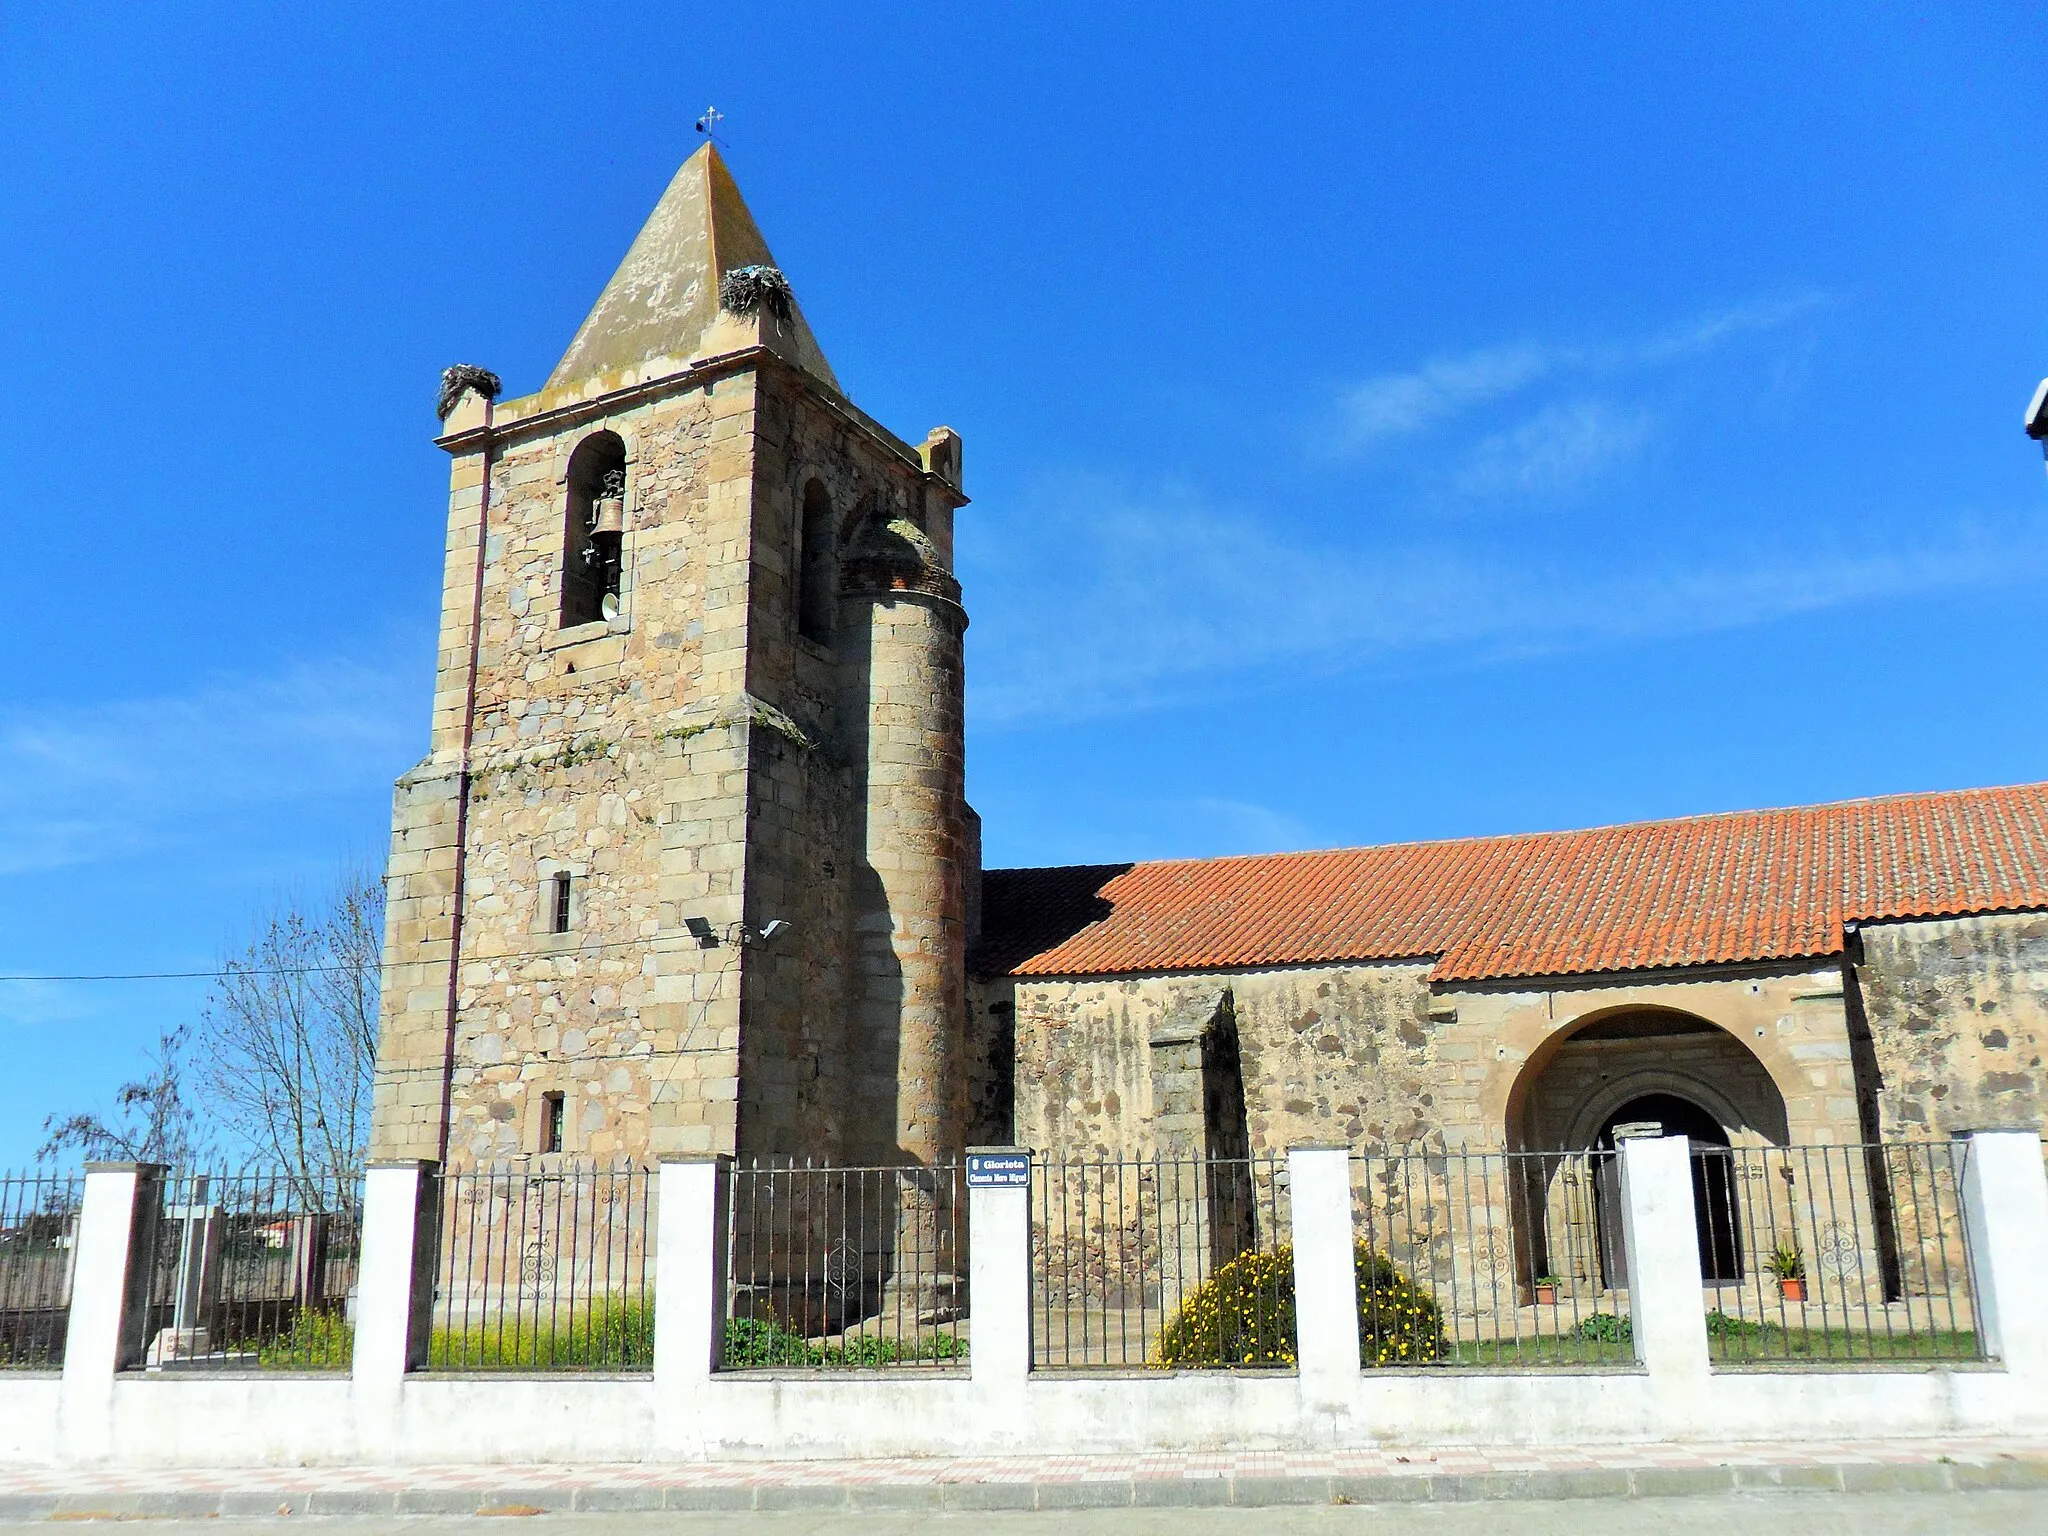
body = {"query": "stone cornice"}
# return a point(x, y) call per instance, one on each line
point(703, 371)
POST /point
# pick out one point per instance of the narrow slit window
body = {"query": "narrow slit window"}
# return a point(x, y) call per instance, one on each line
point(561, 898)
point(817, 567)
point(551, 1122)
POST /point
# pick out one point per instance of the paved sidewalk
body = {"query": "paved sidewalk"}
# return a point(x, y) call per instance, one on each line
point(1996, 1512)
point(1241, 1479)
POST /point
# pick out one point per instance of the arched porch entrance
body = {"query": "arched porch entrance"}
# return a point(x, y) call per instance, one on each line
point(1635, 1066)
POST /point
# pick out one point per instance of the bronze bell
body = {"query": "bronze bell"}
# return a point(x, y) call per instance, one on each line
point(608, 515)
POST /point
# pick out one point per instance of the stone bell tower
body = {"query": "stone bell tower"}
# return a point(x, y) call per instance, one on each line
point(684, 869)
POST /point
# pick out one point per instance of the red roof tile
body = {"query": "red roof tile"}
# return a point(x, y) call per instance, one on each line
point(1750, 885)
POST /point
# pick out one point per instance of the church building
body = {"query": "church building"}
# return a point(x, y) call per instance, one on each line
point(689, 868)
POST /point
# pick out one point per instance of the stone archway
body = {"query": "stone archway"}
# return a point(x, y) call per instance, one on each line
point(1588, 1070)
point(1634, 1064)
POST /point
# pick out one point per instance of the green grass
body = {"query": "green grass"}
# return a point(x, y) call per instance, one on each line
point(611, 1334)
point(618, 1335)
point(1764, 1342)
point(1599, 1338)
point(614, 1334)
point(1549, 1349)
point(1605, 1340)
point(316, 1341)
point(755, 1344)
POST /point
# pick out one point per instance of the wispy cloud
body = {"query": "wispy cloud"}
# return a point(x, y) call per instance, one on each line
point(1395, 404)
point(1703, 333)
point(1560, 447)
point(1166, 599)
point(40, 1004)
point(89, 782)
point(1398, 404)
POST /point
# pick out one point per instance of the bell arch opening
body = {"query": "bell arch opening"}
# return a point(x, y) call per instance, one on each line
point(593, 530)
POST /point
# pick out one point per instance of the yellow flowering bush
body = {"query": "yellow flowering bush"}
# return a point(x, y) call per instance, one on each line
point(1399, 1323)
point(1243, 1315)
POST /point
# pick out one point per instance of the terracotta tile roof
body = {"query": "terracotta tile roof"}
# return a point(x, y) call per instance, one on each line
point(1749, 885)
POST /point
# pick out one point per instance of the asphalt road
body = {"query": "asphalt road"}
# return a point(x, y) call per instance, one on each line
point(1728, 1514)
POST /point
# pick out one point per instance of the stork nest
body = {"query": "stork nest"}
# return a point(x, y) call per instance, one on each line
point(461, 377)
point(748, 290)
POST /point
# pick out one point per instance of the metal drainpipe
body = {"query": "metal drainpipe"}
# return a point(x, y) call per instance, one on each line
point(476, 629)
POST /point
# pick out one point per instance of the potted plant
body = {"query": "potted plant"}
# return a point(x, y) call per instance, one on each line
point(1790, 1269)
point(1546, 1290)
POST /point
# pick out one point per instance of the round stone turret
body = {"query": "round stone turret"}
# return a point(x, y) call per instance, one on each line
point(901, 628)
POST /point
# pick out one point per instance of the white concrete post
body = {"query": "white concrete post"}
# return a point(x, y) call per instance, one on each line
point(110, 1274)
point(394, 1293)
point(1666, 1315)
point(689, 1271)
point(1325, 1274)
point(2005, 1214)
point(999, 1265)
point(690, 1234)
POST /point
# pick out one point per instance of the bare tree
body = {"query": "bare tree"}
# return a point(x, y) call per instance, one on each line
point(154, 1118)
point(288, 1039)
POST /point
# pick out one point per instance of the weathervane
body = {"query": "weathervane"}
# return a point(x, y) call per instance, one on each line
point(708, 125)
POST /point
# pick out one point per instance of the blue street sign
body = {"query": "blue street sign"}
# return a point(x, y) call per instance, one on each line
point(998, 1170)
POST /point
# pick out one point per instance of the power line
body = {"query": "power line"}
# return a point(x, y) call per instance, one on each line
point(316, 970)
point(648, 1054)
point(546, 1058)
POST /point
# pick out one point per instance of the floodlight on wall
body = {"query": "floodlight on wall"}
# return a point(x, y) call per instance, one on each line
point(702, 931)
point(771, 929)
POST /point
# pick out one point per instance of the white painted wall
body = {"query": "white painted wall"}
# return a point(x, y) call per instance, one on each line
point(680, 1414)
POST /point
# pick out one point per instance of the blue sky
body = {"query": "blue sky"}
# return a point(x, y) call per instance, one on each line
point(1382, 422)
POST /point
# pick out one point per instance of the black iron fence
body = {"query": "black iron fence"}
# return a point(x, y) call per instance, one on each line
point(1499, 1260)
point(1163, 1262)
point(38, 1230)
point(1827, 1254)
point(252, 1271)
point(1808, 1254)
point(844, 1268)
point(545, 1266)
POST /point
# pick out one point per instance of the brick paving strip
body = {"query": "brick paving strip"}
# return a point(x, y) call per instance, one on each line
point(1245, 1479)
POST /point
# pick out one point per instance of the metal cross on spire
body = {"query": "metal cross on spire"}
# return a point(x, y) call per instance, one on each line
point(708, 125)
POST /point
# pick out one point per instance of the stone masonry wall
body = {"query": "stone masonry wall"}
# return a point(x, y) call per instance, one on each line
point(1342, 1053)
point(1338, 1052)
point(1953, 1025)
point(612, 751)
point(693, 757)
point(1958, 1017)
point(1371, 1055)
point(856, 815)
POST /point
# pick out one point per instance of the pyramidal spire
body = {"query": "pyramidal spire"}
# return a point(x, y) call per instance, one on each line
point(663, 301)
